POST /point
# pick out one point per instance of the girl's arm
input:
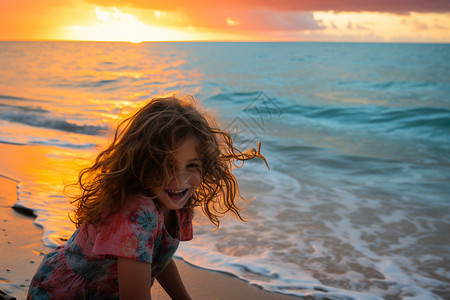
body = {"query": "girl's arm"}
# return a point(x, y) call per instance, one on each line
point(171, 281)
point(134, 279)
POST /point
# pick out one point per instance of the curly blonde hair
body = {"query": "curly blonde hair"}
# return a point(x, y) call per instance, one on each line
point(136, 162)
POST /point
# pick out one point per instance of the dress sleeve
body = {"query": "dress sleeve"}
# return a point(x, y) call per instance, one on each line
point(131, 233)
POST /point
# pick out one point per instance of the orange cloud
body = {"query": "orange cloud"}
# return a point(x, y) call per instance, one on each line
point(253, 20)
point(320, 20)
point(398, 6)
point(246, 16)
point(27, 19)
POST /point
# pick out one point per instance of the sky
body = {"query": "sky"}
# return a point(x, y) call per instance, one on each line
point(421, 21)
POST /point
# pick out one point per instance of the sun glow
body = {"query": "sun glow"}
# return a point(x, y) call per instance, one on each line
point(232, 22)
point(115, 25)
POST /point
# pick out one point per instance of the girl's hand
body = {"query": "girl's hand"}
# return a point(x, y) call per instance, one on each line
point(134, 279)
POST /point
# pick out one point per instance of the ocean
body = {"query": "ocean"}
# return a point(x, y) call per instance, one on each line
point(356, 204)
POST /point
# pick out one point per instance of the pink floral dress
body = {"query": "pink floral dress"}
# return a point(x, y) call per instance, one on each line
point(86, 267)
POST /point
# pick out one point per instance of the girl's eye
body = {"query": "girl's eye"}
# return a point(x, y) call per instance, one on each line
point(197, 166)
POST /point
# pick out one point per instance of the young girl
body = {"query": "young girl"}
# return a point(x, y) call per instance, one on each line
point(136, 205)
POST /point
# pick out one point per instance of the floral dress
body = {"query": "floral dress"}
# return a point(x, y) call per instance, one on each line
point(86, 267)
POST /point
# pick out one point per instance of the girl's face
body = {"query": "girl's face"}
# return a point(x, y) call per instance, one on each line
point(186, 178)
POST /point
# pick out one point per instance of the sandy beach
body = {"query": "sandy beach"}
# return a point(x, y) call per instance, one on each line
point(21, 251)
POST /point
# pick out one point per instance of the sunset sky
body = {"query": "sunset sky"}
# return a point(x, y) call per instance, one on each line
point(233, 20)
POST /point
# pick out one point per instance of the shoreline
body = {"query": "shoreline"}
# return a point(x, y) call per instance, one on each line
point(22, 250)
point(21, 247)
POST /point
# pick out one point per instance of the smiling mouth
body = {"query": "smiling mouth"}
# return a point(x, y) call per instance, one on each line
point(177, 194)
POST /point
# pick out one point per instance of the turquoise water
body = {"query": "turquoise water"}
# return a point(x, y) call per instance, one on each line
point(356, 205)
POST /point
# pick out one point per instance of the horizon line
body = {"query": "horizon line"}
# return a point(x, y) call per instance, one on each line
point(228, 41)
